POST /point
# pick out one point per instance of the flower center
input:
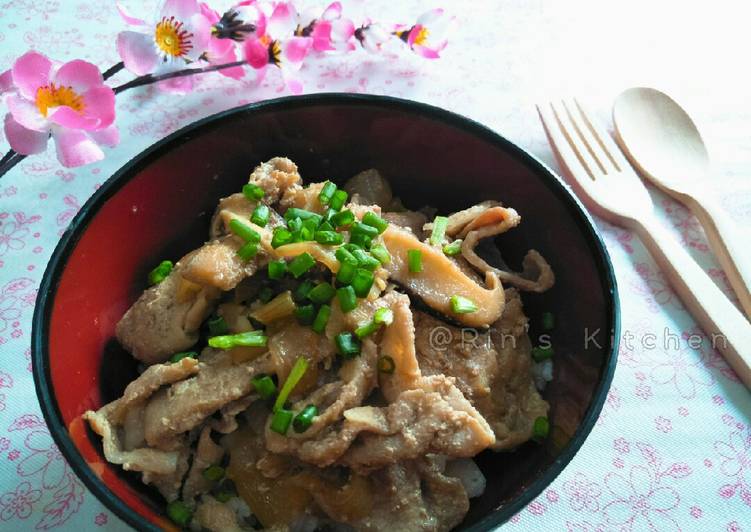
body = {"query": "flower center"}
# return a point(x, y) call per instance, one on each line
point(53, 96)
point(171, 38)
point(422, 36)
point(275, 53)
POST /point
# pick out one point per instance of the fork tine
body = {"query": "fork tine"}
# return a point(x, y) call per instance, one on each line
point(605, 141)
point(560, 142)
point(577, 140)
point(591, 144)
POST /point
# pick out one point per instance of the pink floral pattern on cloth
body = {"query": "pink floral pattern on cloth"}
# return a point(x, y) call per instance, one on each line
point(672, 448)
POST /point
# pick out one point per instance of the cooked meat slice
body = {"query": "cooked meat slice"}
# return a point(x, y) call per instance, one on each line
point(274, 177)
point(459, 220)
point(207, 453)
point(441, 278)
point(218, 265)
point(323, 254)
point(398, 342)
point(303, 198)
point(288, 340)
point(369, 188)
point(536, 274)
point(216, 517)
point(411, 220)
point(240, 207)
point(227, 421)
point(169, 484)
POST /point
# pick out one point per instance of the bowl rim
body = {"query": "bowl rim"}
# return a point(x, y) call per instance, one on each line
point(59, 257)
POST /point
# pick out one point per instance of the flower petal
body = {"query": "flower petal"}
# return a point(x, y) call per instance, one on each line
point(24, 141)
point(75, 148)
point(100, 104)
point(663, 373)
point(79, 75)
point(427, 53)
point(200, 27)
point(618, 485)
point(109, 136)
point(663, 499)
point(180, 9)
point(662, 521)
point(32, 464)
point(31, 71)
point(618, 512)
point(137, 51)
point(180, 85)
point(334, 11)
point(6, 81)
point(26, 113)
point(38, 440)
point(641, 480)
point(127, 17)
point(256, 54)
point(70, 118)
point(283, 21)
point(54, 473)
point(342, 30)
point(289, 76)
point(295, 50)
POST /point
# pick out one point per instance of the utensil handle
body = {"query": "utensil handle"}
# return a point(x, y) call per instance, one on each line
point(724, 236)
point(726, 327)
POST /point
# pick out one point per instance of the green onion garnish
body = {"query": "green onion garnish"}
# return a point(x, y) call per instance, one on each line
point(264, 386)
point(322, 293)
point(243, 231)
point(347, 298)
point(373, 220)
point(305, 314)
point(217, 326)
point(362, 281)
point(361, 241)
point(367, 329)
point(309, 228)
point(260, 215)
point(223, 496)
point(322, 318)
point(345, 256)
point(295, 224)
point(542, 353)
point(248, 250)
point(177, 357)
point(347, 345)
point(346, 273)
point(338, 200)
point(304, 419)
point(365, 260)
point(383, 316)
point(381, 253)
point(541, 428)
point(386, 364)
point(301, 264)
point(453, 249)
point(160, 273)
point(277, 268)
point(327, 192)
point(295, 374)
point(414, 260)
point(329, 238)
point(302, 291)
point(253, 192)
point(462, 305)
point(266, 294)
point(325, 226)
point(294, 212)
point(343, 218)
point(359, 228)
point(214, 473)
point(548, 321)
point(439, 230)
point(244, 339)
point(281, 237)
point(281, 421)
point(179, 513)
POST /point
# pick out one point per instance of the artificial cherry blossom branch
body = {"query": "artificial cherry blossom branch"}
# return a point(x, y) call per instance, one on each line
point(150, 78)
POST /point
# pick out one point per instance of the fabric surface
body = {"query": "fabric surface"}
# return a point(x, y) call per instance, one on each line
point(672, 448)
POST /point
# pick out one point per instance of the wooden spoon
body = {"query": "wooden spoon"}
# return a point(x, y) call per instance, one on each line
point(663, 143)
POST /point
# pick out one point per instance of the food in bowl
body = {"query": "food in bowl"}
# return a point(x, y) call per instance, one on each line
point(329, 359)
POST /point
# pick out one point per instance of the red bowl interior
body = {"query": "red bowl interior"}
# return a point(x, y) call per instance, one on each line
point(158, 206)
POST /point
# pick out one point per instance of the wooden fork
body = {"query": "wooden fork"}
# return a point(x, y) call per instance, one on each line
point(610, 188)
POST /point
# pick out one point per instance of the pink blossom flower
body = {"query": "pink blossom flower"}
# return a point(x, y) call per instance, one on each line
point(328, 30)
point(178, 36)
point(428, 36)
point(372, 36)
point(238, 23)
point(45, 458)
point(639, 503)
point(18, 503)
point(582, 493)
point(68, 102)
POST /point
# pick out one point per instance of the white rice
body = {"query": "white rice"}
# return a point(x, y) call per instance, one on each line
point(466, 470)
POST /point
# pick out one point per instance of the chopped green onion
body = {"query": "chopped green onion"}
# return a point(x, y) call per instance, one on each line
point(548, 321)
point(281, 237)
point(277, 268)
point(327, 192)
point(245, 232)
point(347, 345)
point(309, 228)
point(541, 428)
point(160, 273)
point(343, 218)
point(223, 496)
point(381, 253)
point(301, 264)
point(179, 513)
point(302, 291)
point(295, 374)
point(322, 318)
point(439, 230)
point(304, 419)
point(384, 315)
point(349, 246)
point(414, 260)
point(294, 212)
point(217, 326)
point(367, 329)
point(453, 249)
point(542, 353)
point(346, 273)
point(248, 250)
point(329, 238)
point(373, 220)
point(328, 215)
point(345, 256)
point(253, 192)
point(462, 305)
point(213, 473)
point(244, 339)
point(295, 224)
point(281, 421)
point(322, 293)
point(264, 386)
point(266, 294)
point(361, 241)
point(177, 357)
point(347, 298)
point(365, 260)
point(362, 281)
point(274, 309)
point(386, 364)
point(305, 314)
point(260, 215)
point(359, 228)
point(325, 226)
point(338, 200)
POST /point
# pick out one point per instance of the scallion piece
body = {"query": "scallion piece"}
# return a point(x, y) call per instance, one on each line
point(325, 226)
point(347, 298)
point(462, 305)
point(253, 192)
point(329, 238)
point(361, 241)
point(224, 496)
point(277, 268)
point(305, 314)
point(338, 200)
point(217, 326)
point(359, 228)
point(327, 192)
point(248, 250)
point(453, 249)
point(414, 260)
point(362, 281)
point(439, 230)
point(160, 273)
point(541, 428)
point(322, 318)
point(179, 513)
point(303, 214)
point(345, 256)
point(542, 353)
point(295, 374)
point(309, 229)
point(266, 294)
point(301, 264)
point(548, 321)
point(274, 309)
point(365, 260)
point(281, 237)
point(381, 253)
point(347, 344)
point(367, 329)
point(214, 473)
point(244, 339)
point(281, 421)
point(260, 215)
point(384, 316)
point(264, 386)
point(346, 273)
point(302, 291)
point(322, 293)
point(304, 419)
point(177, 357)
point(295, 224)
point(245, 232)
point(386, 364)
point(373, 220)
point(343, 218)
